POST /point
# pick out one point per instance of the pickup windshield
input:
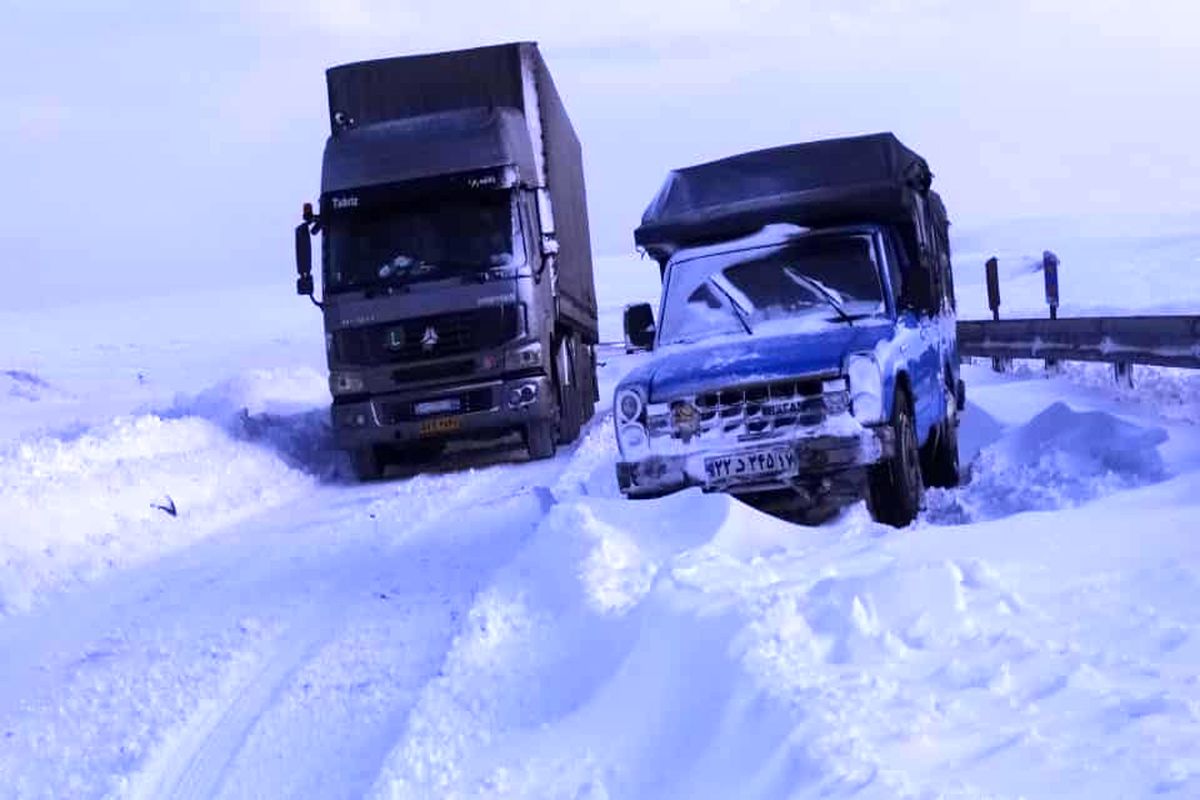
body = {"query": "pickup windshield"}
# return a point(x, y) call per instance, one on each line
point(819, 278)
point(430, 240)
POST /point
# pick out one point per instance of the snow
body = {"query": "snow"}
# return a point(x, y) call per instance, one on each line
point(504, 628)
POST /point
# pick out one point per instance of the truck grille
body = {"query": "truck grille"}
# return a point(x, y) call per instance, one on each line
point(424, 338)
point(392, 413)
point(757, 411)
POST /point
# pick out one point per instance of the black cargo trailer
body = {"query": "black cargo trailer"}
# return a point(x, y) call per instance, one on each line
point(457, 282)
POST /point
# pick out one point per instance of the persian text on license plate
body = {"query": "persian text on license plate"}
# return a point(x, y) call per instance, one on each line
point(432, 427)
point(777, 461)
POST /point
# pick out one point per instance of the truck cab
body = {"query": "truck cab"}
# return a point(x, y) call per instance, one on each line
point(455, 261)
point(799, 367)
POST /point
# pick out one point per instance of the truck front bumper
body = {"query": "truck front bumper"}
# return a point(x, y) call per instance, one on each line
point(474, 410)
point(815, 459)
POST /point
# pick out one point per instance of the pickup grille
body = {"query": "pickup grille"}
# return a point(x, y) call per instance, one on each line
point(757, 411)
point(430, 337)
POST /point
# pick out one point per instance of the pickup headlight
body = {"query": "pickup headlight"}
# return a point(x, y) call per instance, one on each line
point(629, 405)
point(346, 383)
point(866, 388)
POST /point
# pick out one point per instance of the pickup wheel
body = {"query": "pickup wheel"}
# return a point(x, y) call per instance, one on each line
point(894, 486)
point(367, 463)
point(539, 440)
point(939, 456)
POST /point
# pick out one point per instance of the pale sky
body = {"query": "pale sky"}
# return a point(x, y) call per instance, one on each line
point(151, 146)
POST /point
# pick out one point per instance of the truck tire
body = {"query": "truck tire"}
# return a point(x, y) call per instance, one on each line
point(894, 487)
point(539, 440)
point(367, 463)
point(570, 396)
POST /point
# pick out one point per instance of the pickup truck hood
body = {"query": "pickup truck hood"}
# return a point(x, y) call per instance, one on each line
point(692, 369)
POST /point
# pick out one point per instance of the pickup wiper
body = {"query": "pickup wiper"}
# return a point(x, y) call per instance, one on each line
point(826, 295)
point(737, 312)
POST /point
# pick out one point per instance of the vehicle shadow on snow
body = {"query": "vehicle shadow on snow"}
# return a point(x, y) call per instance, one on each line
point(303, 439)
point(1059, 459)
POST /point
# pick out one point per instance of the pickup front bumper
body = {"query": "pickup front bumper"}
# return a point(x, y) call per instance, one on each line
point(755, 466)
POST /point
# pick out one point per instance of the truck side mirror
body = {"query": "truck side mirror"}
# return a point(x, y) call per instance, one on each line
point(639, 327)
point(304, 284)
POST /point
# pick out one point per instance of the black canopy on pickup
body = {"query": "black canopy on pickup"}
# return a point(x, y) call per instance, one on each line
point(858, 179)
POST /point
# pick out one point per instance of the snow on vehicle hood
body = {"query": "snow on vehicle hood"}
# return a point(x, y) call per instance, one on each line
point(686, 370)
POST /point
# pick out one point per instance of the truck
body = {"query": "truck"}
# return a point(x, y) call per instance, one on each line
point(455, 257)
point(804, 353)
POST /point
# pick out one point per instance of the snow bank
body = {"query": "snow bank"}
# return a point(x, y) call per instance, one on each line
point(283, 410)
point(1060, 458)
point(76, 505)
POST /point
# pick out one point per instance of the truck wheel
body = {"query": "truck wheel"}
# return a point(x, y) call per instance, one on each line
point(367, 463)
point(894, 487)
point(939, 456)
point(539, 440)
point(570, 397)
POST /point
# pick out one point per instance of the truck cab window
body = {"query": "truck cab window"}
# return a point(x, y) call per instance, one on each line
point(428, 240)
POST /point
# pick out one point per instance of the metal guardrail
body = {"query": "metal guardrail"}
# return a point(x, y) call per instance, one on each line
point(1167, 341)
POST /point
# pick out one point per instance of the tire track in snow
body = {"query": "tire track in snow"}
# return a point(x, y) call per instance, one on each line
point(197, 759)
point(194, 767)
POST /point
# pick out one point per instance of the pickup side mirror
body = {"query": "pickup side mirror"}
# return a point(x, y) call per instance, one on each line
point(639, 327)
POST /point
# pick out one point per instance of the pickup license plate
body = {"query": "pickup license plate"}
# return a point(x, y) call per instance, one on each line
point(446, 406)
point(759, 463)
point(432, 427)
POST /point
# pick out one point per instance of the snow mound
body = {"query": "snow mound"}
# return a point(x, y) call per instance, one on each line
point(75, 507)
point(1059, 459)
point(284, 410)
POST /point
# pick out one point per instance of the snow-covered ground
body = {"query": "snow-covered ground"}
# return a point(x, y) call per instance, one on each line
point(498, 628)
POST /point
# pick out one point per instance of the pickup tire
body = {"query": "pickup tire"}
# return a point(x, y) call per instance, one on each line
point(894, 486)
point(367, 463)
point(939, 456)
point(540, 440)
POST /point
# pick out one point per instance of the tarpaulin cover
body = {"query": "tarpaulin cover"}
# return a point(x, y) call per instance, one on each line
point(856, 179)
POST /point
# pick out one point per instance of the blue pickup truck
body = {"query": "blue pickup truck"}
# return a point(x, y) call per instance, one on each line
point(804, 351)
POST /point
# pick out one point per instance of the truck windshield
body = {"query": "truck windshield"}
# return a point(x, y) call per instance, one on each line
point(430, 240)
point(821, 278)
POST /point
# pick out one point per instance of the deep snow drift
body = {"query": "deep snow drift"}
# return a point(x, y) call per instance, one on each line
point(515, 629)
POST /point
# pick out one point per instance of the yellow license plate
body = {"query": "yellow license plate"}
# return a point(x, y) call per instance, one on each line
point(432, 427)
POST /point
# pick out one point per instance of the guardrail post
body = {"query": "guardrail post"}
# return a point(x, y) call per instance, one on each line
point(1050, 272)
point(1123, 373)
point(992, 270)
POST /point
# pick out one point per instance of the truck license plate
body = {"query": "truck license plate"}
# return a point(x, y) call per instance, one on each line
point(446, 406)
point(432, 427)
point(740, 466)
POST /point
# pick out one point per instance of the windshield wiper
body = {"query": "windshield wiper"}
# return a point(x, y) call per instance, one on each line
point(737, 312)
point(825, 294)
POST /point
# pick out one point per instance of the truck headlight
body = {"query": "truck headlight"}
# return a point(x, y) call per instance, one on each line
point(866, 388)
point(346, 383)
point(629, 405)
point(524, 357)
